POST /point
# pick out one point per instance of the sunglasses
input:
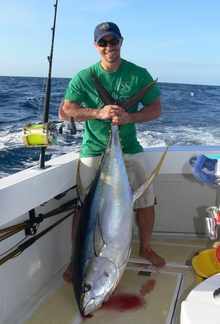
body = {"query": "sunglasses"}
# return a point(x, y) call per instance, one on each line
point(103, 43)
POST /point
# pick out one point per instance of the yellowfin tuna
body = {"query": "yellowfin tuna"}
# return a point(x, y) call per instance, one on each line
point(103, 241)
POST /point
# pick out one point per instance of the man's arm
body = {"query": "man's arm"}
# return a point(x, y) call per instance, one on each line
point(146, 114)
point(73, 109)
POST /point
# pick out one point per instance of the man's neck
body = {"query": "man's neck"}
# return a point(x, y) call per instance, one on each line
point(111, 67)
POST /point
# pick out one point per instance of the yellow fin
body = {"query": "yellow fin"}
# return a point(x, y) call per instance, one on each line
point(141, 189)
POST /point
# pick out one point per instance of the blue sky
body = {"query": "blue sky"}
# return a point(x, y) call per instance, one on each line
point(177, 41)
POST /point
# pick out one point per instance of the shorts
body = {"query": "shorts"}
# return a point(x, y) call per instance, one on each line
point(138, 172)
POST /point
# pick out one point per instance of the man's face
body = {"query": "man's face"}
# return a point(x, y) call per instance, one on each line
point(109, 48)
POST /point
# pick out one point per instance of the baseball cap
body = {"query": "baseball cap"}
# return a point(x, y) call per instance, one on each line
point(106, 28)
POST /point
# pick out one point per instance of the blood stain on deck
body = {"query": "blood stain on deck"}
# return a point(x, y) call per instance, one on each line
point(148, 287)
point(124, 302)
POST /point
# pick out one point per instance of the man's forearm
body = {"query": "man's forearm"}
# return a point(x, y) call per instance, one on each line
point(75, 110)
point(147, 113)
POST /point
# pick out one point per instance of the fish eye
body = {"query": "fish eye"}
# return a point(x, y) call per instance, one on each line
point(106, 274)
point(86, 288)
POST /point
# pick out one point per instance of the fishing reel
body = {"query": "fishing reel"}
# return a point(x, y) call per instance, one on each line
point(39, 135)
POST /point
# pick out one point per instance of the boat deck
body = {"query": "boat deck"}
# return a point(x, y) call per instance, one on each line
point(144, 295)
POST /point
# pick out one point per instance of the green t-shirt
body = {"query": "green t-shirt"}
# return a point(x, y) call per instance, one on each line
point(121, 84)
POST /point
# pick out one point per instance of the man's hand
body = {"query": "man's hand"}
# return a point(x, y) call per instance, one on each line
point(116, 113)
point(110, 112)
point(122, 118)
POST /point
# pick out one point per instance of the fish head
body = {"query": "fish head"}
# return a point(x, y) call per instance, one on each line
point(98, 284)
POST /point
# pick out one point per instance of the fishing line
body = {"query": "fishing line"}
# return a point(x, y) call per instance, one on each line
point(40, 101)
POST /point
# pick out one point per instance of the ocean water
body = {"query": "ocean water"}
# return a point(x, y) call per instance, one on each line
point(191, 116)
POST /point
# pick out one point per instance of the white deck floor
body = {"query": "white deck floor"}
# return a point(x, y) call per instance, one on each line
point(144, 295)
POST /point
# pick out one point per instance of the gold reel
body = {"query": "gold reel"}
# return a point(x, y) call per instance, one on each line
point(40, 135)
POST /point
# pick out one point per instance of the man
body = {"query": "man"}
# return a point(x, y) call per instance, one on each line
point(121, 79)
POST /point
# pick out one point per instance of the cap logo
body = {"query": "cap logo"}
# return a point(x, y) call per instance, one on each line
point(104, 26)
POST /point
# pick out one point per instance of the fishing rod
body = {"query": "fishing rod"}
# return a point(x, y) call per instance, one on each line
point(31, 223)
point(42, 135)
point(45, 134)
point(30, 241)
point(48, 87)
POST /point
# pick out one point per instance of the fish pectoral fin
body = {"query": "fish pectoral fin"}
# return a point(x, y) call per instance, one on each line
point(99, 243)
